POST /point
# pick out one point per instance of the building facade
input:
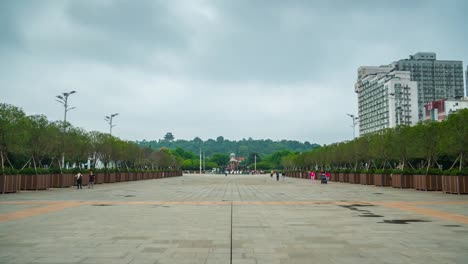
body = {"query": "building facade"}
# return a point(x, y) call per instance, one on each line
point(441, 109)
point(386, 98)
point(466, 80)
point(436, 79)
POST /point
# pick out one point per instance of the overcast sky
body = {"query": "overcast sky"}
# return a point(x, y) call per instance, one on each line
point(238, 69)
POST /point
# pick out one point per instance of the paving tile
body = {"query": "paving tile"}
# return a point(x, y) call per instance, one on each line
point(188, 220)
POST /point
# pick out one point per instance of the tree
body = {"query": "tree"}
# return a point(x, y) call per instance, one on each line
point(169, 137)
point(243, 150)
point(12, 131)
point(198, 141)
point(44, 139)
point(456, 137)
point(220, 159)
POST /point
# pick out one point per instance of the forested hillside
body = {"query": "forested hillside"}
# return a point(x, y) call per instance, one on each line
point(242, 147)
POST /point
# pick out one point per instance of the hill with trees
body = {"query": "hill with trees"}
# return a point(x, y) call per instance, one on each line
point(221, 145)
point(267, 153)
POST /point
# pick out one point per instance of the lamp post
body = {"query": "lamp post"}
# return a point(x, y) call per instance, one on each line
point(204, 160)
point(255, 162)
point(63, 99)
point(109, 120)
point(354, 118)
point(200, 161)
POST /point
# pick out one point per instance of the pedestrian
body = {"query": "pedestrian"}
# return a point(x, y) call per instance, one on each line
point(323, 177)
point(283, 174)
point(327, 174)
point(271, 174)
point(92, 178)
point(277, 175)
point(79, 180)
point(312, 177)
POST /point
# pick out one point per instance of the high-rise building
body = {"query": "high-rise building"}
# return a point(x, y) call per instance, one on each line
point(420, 79)
point(466, 79)
point(386, 98)
point(437, 79)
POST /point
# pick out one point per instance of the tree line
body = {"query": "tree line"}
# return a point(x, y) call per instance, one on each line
point(243, 148)
point(427, 148)
point(32, 143)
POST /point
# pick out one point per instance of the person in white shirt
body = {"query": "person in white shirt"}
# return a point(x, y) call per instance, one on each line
point(79, 180)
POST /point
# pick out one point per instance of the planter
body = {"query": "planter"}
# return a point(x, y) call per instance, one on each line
point(118, 177)
point(62, 180)
point(382, 180)
point(85, 179)
point(112, 177)
point(334, 176)
point(35, 182)
point(354, 178)
point(455, 184)
point(124, 176)
point(99, 178)
point(366, 179)
point(402, 181)
point(427, 182)
point(10, 183)
point(139, 176)
point(343, 177)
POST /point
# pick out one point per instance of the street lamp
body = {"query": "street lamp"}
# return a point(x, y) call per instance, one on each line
point(200, 161)
point(63, 99)
point(255, 162)
point(109, 120)
point(354, 118)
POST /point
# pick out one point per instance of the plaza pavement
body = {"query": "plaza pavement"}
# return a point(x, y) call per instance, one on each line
point(235, 219)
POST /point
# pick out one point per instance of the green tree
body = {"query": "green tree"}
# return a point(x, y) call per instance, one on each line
point(455, 139)
point(169, 137)
point(220, 159)
point(13, 134)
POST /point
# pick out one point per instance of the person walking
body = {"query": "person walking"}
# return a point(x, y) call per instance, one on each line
point(312, 177)
point(277, 175)
point(92, 178)
point(79, 180)
point(283, 174)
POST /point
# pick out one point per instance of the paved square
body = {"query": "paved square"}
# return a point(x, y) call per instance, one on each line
point(189, 220)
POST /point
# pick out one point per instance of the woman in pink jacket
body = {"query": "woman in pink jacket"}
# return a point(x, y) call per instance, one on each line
point(312, 177)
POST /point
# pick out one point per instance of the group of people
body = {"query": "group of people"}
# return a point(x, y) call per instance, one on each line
point(324, 176)
point(277, 173)
point(79, 180)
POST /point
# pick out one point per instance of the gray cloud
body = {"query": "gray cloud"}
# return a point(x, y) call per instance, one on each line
point(261, 69)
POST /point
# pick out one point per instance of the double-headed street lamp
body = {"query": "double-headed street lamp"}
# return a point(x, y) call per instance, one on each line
point(354, 118)
point(63, 99)
point(109, 120)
